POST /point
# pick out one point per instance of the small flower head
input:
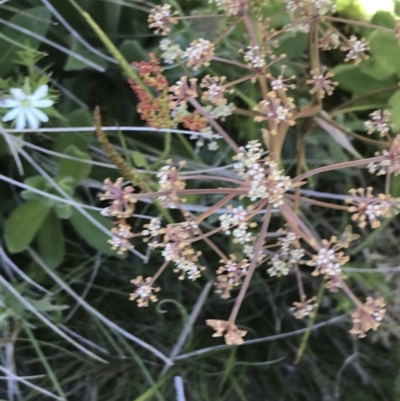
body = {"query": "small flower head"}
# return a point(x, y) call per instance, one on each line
point(160, 18)
point(120, 240)
point(368, 316)
point(234, 270)
point(182, 91)
point(215, 90)
point(233, 336)
point(275, 110)
point(25, 107)
point(170, 51)
point(368, 209)
point(199, 53)
point(122, 199)
point(231, 7)
point(321, 83)
point(330, 259)
point(379, 122)
point(254, 57)
point(144, 292)
point(356, 50)
point(265, 179)
point(390, 163)
point(152, 232)
point(303, 308)
point(169, 181)
point(330, 41)
point(281, 83)
point(289, 253)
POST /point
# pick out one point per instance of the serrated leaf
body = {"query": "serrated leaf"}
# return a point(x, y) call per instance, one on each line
point(73, 168)
point(75, 64)
point(50, 240)
point(36, 20)
point(90, 233)
point(23, 225)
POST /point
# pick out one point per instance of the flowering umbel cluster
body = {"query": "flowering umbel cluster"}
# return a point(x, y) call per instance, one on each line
point(233, 211)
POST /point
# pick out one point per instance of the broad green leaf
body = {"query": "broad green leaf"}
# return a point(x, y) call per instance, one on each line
point(394, 103)
point(395, 186)
point(353, 80)
point(292, 45)
point(132, 50)
point(378, 68)
point(74, 64)
point(36, 20)
point(383, 18)
point(384, 46)
point(23, 225)
point(78, 118)
point(73, 168)
point(90, 233)
point(50, 239)
point(63, 210)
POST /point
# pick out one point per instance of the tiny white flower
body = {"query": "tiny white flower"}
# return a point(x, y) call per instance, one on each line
point(25, 108)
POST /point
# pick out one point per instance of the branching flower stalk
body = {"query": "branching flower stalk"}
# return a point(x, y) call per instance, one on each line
point(242, 205)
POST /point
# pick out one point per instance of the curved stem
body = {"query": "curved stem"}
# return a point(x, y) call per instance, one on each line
point(252, 267)
point(338, 166)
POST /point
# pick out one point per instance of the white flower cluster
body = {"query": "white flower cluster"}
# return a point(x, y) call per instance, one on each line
point(289, 253)
point(199, 53)
point(206, 134)
point(170, 51)
point(266, 181)
point(236, 219)
point(254, 57)
point(25, 107)
point(230, 7)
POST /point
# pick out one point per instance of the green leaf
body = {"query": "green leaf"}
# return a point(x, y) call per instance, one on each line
point(394, 102)
point(75, 64)
point(139, 159)
point(63, 210)
point(90, 233)
point(383, 18)
point(73, 168)
point(384, 46)
point(23, 224)
point(378, 68)
point(51, 241)
point(132, 50)
point(352, 79)
point(36, 20)
point(78, 118)
point(395, 186)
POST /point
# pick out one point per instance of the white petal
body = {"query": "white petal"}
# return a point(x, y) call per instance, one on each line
point(21, 121)
point(33, 122)
point(42, 103)
point(40, 93)
point(18, 93)
point(39, 115)
point(12, 114)
point(8, 103)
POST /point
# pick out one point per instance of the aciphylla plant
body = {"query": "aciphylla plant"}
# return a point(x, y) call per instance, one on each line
point(254, 193)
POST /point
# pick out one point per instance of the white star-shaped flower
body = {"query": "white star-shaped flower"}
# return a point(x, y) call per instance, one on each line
point(25, 108)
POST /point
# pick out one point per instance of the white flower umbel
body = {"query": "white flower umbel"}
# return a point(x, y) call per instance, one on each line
point(25, 107)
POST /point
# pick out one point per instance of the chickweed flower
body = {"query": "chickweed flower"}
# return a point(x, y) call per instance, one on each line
point(25, 107)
